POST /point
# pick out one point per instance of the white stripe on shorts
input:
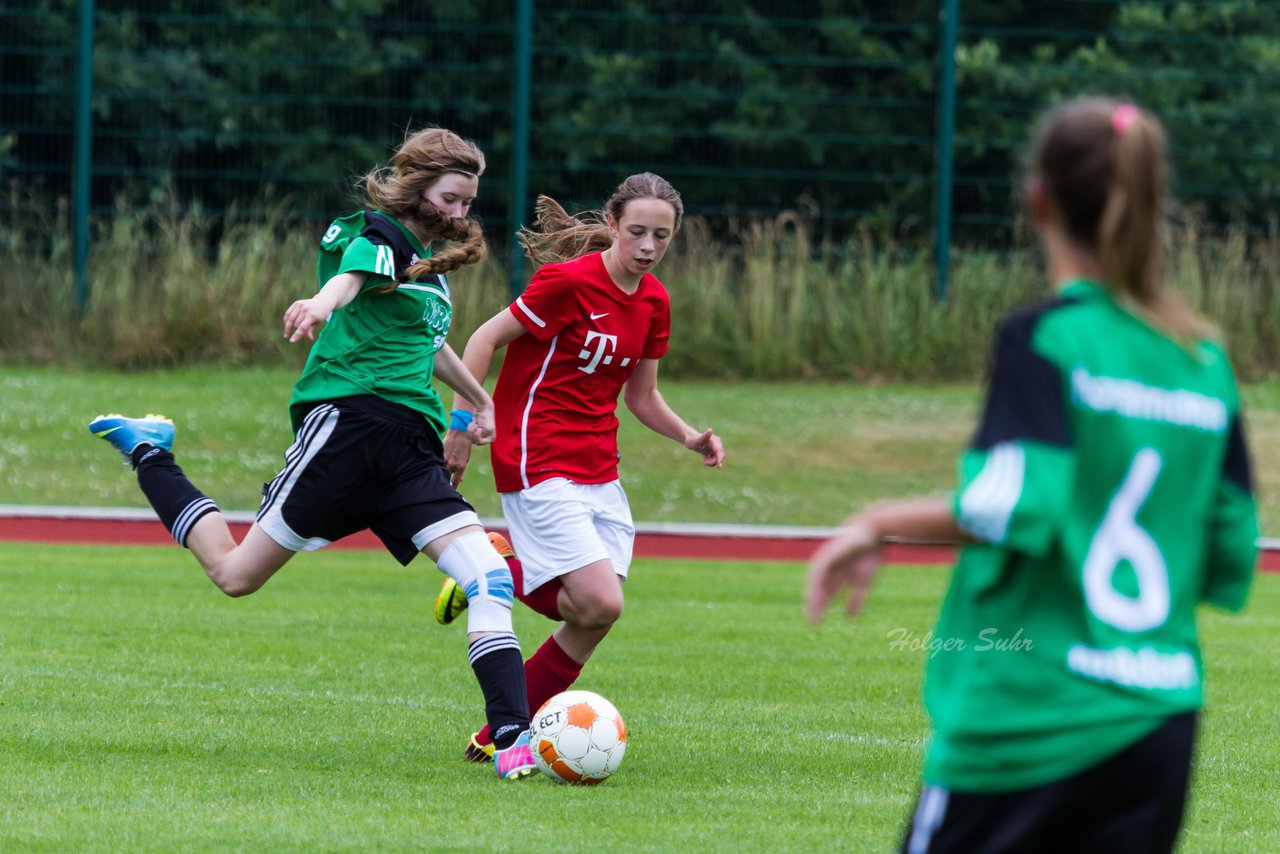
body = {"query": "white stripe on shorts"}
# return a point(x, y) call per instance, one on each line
point(294, 456)
point(316, 430)
point(447, 525)
point(928, 818)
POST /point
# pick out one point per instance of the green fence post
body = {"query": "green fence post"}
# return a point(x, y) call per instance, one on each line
point(521, 74)
point(82, 167)
point(949, 15)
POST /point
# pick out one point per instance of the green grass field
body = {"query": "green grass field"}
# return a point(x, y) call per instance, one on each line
point(798, 454)
point(144, 711)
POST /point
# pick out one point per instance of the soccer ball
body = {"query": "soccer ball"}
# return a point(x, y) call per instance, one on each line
point(578, 737)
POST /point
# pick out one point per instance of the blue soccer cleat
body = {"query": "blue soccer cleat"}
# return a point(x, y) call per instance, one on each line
point(126, 434)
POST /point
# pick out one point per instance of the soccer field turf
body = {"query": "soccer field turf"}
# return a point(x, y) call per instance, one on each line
point(798, 453)
point(143, 710)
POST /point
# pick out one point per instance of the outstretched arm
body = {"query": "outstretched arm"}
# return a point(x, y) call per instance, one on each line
point(852, 557)
point(305, 316)
point(650, 409)
point(477, 357)
point(453, 373)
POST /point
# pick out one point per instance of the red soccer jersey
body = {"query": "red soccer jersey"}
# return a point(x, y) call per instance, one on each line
point(558, 388)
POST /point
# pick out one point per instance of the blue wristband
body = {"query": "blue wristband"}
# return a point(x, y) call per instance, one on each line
point(460, 419)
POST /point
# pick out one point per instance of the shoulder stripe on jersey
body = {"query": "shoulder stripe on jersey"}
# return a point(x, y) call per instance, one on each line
point(538, 320)
point(988, 502)
point(528, 407)
point(385, 265)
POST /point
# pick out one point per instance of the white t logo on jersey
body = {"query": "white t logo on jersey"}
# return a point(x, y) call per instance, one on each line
point(605, 344)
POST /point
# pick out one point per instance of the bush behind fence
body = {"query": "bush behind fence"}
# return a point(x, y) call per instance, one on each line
point(772, 306)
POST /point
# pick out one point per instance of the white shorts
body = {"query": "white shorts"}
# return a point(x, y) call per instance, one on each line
point(558, 526)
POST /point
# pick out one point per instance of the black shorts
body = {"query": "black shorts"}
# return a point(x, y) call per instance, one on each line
point(363, 462)
point(1131, 803)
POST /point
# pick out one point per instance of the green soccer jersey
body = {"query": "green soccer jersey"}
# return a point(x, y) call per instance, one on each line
point(1109, 491)
point(378, 344)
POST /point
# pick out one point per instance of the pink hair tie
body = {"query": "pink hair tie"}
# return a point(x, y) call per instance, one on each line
point(1124, 116)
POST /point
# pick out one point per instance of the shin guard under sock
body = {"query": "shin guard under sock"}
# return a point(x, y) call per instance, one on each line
point(178, 504)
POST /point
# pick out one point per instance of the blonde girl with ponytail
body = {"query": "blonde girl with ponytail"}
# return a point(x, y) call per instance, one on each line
point(1106, 492)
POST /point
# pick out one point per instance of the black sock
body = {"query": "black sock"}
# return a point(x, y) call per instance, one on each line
point(500, 671)
point(178, 504)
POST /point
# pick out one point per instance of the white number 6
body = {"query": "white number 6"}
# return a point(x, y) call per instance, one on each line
point(1120, 538)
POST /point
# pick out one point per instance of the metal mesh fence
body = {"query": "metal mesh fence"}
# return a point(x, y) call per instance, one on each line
point(749, 107)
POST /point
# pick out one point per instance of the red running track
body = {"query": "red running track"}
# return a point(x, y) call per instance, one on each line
point(649, 544)
point(689, 543)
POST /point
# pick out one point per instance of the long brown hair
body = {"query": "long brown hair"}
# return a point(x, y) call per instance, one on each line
point(558, 236)
point(397, 188)
point(1103, 165)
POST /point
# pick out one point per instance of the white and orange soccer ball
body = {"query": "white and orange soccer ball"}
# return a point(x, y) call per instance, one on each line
point(578, 737)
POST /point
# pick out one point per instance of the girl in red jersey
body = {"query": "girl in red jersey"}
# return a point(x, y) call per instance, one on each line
point(593, 321)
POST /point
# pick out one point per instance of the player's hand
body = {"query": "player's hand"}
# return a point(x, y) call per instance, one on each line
point(302, 319)
point(707, 444)
point(849, 559)
point(482, 429)
point(457, 453)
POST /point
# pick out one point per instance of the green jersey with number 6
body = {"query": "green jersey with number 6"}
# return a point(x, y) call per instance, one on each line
point(1109, 491)
point(380, 344)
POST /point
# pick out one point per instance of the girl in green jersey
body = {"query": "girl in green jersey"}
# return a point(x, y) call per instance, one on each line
point(367, 452)
point(1106, 492)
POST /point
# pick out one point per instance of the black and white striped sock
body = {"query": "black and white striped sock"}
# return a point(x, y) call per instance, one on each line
point(178, 504)
point(499, 669)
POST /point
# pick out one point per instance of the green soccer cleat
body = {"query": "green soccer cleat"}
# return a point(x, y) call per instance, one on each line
point(477, 752)
point(450, 602)
point(126, 434)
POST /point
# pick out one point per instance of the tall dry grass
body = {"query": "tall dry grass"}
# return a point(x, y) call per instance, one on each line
point(768, 304)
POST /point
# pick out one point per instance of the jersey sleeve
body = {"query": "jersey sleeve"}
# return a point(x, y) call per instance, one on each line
point(548, 305)
point(365, 255)
point(1017, 474)
point(655, 346)
point(1233, 527)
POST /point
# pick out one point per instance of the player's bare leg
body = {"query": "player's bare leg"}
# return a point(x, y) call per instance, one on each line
point(590, 600)
point(237, 569)
point(189, 515)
